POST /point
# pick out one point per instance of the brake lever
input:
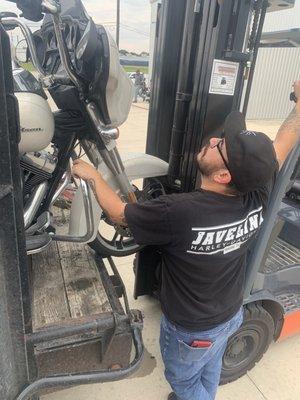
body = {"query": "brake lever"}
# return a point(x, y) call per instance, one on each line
point(49, 80)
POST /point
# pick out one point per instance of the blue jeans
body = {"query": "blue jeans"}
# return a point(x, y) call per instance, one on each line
point(194, 372)
point(137, 89)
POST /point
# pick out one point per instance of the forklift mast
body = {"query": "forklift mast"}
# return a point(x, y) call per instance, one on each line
point(198, 77)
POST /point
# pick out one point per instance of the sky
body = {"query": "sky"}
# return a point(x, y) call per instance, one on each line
point(134, 19)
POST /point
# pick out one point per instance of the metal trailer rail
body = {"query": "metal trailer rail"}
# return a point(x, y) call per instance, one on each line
point(68, 380)
point(131, 318)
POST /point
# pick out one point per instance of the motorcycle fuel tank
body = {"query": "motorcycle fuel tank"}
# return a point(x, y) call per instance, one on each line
point(36, 122)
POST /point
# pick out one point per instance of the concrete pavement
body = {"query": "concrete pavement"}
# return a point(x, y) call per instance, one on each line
point(275, 377)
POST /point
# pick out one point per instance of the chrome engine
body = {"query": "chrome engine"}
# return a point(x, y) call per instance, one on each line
point(37, 169)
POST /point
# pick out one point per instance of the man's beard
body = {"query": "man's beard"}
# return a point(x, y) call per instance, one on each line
point(204, 168)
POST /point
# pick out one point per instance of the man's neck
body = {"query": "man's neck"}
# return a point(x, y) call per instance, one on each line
point(207, 184)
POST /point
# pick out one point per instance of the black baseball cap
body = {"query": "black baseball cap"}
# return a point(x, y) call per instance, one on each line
point(251, 155)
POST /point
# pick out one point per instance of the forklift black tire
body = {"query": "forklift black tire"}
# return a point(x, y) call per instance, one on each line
point(247, 346)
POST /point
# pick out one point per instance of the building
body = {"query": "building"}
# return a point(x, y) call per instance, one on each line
point(134, 61)
point(276, 69)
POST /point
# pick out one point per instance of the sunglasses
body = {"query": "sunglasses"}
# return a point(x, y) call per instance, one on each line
point(219, 146)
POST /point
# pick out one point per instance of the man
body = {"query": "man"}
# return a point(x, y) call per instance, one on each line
point(138, 83)
point(204, 237)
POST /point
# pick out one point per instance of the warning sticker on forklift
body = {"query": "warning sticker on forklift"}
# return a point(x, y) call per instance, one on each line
point(223, 77)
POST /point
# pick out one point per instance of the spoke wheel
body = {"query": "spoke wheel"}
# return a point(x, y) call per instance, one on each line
point(247, 346)
point(117, 241)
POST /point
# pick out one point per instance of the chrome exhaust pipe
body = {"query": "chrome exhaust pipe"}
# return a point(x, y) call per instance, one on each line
point(34, 202)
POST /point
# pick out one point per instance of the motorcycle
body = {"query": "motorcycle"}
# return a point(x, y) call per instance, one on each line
point(78, 63)
point(145, 92)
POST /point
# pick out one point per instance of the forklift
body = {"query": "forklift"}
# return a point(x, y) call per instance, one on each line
point(189, 104)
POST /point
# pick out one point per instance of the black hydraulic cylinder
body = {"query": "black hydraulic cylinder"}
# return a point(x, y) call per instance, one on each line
point(164, 79)
point(262, 13)
point(184, 90)
point(13, 359)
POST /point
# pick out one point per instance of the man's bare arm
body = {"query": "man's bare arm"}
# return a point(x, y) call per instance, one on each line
point(109, 201)
point(289, 132)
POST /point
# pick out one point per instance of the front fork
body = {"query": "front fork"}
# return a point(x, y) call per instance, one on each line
point(109, 152)
point(111, 157)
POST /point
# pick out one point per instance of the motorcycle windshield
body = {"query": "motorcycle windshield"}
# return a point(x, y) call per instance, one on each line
point(109, 86)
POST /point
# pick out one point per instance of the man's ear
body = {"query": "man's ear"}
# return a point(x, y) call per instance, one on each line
point(222, 176)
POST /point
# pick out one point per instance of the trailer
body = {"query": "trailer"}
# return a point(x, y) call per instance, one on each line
point(62, 321)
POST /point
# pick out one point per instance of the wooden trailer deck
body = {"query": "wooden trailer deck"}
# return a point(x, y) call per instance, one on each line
point(69, 286)
point(66, 285)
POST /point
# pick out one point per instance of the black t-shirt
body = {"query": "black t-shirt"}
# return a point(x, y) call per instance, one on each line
point(204, 237)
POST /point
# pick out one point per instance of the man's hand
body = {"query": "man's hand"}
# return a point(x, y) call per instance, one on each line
point(84, 170)
point(108, 200)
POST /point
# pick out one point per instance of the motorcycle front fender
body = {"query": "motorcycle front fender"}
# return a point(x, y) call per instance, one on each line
point(137, 166)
